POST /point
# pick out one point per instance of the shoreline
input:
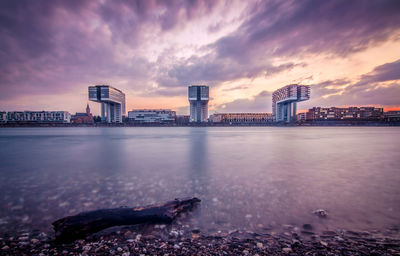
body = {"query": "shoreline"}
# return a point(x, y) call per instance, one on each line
point(172, 240)
point(302, 124)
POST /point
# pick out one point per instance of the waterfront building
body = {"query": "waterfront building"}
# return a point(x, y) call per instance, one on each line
point(301, 117)
point(284, 101)
point(152, 115)
point(241, 118)
point(3, 117)
point(112, 102)
point(392, 116)
point(39, 116)
point(198, 98)
point(182, 119)
point(334, 113)
point(83, 118)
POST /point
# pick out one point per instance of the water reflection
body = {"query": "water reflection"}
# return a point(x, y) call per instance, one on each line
point(198, 160)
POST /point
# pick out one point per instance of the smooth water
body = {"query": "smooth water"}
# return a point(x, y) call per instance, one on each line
point(247, 178)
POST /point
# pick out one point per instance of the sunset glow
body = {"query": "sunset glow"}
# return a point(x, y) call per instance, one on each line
point(51, 51)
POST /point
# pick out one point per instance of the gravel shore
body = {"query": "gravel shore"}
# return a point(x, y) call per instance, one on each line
point(167, 240)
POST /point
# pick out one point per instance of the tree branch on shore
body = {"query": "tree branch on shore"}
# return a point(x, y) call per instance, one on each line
point(78, 226)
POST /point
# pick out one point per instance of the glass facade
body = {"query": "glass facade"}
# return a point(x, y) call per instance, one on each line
point(198, 98)
point(284, 101)
point(112, 102)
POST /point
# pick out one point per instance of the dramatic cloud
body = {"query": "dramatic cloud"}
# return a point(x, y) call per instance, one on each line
point(152, 48)
point(259, 103)
point(371, 89)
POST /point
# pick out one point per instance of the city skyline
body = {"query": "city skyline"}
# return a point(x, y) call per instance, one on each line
point(348, 52)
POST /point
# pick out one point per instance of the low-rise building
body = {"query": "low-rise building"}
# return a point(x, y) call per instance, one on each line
point(39, 116)
point(392, 116)
point(152, 115)
point(333, 113)
point(83, 118)
point(241, 118)
point(301, 117)
point(3, 117)
point(182, 119)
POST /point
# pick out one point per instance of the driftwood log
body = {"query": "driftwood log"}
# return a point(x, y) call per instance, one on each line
point(78, 226)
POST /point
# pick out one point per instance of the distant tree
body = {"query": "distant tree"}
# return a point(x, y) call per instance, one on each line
point(125, 119)
point(97, 119)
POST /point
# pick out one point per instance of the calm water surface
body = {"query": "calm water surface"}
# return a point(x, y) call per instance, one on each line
point(247, 178)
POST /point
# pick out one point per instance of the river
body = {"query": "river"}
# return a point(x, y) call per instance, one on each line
point(247, 178)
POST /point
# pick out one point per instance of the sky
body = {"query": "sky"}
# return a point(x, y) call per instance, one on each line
point(51, 51)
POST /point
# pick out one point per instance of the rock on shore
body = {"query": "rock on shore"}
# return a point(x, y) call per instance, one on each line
point(125, 242)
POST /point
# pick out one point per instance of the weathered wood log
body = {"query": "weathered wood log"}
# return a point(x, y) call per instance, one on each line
point(78, 226)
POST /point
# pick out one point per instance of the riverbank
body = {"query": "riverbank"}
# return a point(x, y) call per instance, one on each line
point(168, 240)
point(206, 124)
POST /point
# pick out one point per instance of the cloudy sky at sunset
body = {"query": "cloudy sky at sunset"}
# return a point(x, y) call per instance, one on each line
point(51, 51)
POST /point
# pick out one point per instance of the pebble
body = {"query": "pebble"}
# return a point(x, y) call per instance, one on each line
point(338, 238)
point(321, 213)
point(287, 250)
point(260, 245)
point(5, 247)
point(34, 241)
point(324, 243)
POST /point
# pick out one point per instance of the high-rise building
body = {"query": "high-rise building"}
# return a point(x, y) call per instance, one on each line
point(112, 102)
point(198, 98)
point(284, 101)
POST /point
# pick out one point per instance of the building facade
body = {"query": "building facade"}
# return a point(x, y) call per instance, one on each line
point(392, 116)
point(284, 101)
point(301, 117)
point(39, 116)
point(241, 118)
point(3, 117)
point(112, 102)
point(83, 118)
point(182, 119)
point(198, 97)
point(152, 115)
point(333, 113)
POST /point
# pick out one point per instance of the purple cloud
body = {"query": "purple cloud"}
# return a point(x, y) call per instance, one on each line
point(55, 47)
point(284, 29)
point(367, 91)
point(259, 103)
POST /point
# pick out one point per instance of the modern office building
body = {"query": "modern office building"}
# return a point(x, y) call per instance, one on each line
point(112, 102)
point(198, 98)
point(39, 116)
point(284, 101)
point(333, 113)
point(152, 115)
point(241, 118)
